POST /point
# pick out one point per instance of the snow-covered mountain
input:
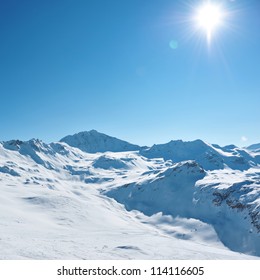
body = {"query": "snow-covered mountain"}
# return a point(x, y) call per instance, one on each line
point(254, 148)
point(192, 200)
point(228, 201)
point(209, 156)
point(93, 141)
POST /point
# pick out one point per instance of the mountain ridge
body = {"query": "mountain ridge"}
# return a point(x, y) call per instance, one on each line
point(153, 192)
point(210, 156)
point(93, 141)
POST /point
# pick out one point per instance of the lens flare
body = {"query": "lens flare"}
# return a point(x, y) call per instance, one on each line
point(209, 17)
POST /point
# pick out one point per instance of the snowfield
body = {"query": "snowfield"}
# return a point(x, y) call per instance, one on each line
point(92, 196)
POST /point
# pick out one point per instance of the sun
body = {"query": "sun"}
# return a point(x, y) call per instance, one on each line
point(209, 17)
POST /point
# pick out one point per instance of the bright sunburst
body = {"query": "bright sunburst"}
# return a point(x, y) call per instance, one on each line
point(209, 17)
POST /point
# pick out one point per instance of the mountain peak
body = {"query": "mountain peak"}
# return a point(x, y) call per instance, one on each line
point(209, 156)
point(254, 147)
point(93, 142)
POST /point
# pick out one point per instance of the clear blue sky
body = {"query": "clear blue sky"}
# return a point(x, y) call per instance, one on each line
point(73, 65)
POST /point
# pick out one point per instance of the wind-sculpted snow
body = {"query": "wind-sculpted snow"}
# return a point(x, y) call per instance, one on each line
point(59, 202)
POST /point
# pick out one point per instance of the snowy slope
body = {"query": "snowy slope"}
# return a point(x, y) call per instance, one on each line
point(57, 202)
point(94, 141)
point(226, 200)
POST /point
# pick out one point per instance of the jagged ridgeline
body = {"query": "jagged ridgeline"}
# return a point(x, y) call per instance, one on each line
point(91, 195)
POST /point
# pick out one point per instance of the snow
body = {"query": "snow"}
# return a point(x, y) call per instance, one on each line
point(60, 202)
point(211, 157)
point(254, 147)
point(93, 141)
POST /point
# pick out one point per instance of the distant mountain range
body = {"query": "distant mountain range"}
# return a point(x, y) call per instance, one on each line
point(207, 155)
point(254, 148)
point(91, 195)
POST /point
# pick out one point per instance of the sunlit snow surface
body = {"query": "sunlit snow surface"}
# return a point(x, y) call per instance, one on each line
point(58, 202)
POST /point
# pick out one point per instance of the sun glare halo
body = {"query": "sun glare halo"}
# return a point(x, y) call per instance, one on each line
point(209, 16)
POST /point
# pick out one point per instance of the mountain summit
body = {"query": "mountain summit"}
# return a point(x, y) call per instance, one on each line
point(93, 141)
point(183, 197)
